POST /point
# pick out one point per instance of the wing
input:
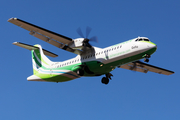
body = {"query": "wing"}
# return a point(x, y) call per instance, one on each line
point(143, 67)
point(30, 47)
point(52, 38)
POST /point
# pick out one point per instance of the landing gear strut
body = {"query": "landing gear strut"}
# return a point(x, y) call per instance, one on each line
point(105, 80)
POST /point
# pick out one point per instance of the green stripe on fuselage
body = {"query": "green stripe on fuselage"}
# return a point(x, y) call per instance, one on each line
point(114, 64)
point(148, 42)
point(97, 67)
point(106, 68)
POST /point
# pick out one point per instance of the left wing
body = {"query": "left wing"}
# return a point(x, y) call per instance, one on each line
point(52, 38)
point(143, 67)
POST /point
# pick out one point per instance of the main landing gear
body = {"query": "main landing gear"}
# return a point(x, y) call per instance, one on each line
point(80, 72)
point(146, 57)
point(105, 80)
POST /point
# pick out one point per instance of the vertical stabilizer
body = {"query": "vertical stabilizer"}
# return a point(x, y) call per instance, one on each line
point(41, 64)
point(39, 60)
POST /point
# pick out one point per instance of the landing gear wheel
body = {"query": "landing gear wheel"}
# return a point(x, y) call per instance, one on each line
point(80, 72)
point(105, 80)
point(146, 60)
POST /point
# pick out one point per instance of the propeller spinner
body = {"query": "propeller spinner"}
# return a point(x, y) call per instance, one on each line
point(86, 40)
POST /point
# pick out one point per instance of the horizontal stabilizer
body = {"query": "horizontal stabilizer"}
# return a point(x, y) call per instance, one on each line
point(31, 47)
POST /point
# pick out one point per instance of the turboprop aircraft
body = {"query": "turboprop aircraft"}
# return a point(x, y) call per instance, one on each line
point(90, 61)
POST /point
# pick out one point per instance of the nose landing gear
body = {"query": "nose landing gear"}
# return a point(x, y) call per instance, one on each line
point(146, 60)
point(146, 57)
point(105, 80)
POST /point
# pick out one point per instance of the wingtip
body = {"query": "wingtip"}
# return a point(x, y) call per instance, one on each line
point(10, 19)
point(14, 43)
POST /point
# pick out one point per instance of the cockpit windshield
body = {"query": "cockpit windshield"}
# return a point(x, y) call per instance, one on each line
point(142, 39)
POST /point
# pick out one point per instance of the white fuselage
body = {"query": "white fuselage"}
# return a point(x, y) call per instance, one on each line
point(109, 54)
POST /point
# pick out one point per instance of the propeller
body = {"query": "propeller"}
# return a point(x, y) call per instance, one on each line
point(86, 40)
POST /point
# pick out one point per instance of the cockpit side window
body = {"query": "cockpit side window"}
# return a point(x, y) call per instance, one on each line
point(141, 39)
point(146, 40)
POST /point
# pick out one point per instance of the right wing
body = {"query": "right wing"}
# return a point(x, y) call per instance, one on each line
point(143, 67)
point(52, 38)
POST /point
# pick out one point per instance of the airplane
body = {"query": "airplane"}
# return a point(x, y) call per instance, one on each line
point(90, 60)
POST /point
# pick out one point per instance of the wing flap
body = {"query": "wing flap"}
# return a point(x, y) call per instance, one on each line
point(143, 67)
point(50, 41)
point(30, 47)
point(39, 36)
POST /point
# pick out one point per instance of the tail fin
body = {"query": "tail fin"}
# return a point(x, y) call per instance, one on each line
point(39, 60)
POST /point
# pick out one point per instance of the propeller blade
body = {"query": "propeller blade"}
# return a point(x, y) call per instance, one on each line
point(94, 39)
point(86, 40)
point(79, 31)
point(88, 30)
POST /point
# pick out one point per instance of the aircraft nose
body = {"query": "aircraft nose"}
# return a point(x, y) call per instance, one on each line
point(152, 46)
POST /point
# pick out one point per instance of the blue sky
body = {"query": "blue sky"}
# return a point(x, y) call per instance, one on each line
point(129, 96)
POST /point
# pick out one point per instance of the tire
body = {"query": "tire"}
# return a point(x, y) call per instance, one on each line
point(105, 80)
point(146, 60)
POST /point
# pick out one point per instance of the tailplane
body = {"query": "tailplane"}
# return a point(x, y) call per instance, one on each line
point(31, 47)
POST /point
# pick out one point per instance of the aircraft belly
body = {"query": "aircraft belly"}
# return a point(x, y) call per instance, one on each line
point(57, 76)
point(54, 76)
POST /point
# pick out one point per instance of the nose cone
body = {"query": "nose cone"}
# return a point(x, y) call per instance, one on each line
point(152, 46)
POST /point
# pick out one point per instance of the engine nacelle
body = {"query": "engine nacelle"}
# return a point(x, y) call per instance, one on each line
point(77, 43)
